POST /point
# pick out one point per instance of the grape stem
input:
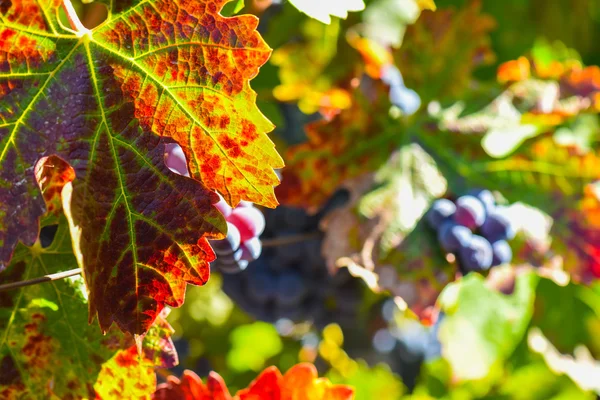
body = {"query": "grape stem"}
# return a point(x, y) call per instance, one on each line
point(42, 279)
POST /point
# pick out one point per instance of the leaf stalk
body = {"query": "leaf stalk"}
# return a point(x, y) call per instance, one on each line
point(74, 20)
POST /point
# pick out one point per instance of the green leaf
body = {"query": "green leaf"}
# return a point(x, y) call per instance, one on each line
point(323, 11)
point(406, 186)
point(106, 102)
point(47, 347)
point(482, 327)
point(386, 20)
point(252, 346)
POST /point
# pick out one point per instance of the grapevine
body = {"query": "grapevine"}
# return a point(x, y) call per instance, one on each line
point(335, 200)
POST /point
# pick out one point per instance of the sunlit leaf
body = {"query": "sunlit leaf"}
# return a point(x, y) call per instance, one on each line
point(482, 327)
point(355, 142)
point(442, 49)
point(47, 348)
point(323, 11)
point(301, 382)
point(106, 102)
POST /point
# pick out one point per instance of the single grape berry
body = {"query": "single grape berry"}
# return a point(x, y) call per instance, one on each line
point(175, 159)
point(502, 253)
point(228, 245)
point(251, 249)
point(497, 226)
point(440, 211)
point(405, 99)
point(477, 256)
point(291, 289)
point(486, 197)
point(469, 212)
point(249, 220)
point(452, 236)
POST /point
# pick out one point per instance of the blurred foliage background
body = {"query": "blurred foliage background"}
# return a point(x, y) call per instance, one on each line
point(520, 333)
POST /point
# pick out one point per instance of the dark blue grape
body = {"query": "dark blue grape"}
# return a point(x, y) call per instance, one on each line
point(502, 253)
point(469, 212)
point(477, 256)
point(486, 197)
point(261, 285)
point(440, 211)
point(291, 289)
point(453, 236)
point(405, 99)
point(228, 245)
point(251, 249)
point(497, 226)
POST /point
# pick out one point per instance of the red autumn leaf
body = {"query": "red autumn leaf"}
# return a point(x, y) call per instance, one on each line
point(353, 143)
point(106, 102)
point(301, 382)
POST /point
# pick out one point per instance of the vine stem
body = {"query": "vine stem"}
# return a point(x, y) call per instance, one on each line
point(42, 279)
point(74, 20)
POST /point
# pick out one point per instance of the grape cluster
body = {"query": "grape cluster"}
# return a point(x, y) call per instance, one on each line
point(245, 223)
point(473, 228)
point(290, 279)
point(402, 97)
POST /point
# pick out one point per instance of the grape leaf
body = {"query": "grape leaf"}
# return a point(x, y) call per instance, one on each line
point(323, 11)
point(48, 349)
point(386, 20)
point(485, 321)
point(441, 50)
point(301, 382)
point(107, 102)
point(576, 235)
point(355, 142)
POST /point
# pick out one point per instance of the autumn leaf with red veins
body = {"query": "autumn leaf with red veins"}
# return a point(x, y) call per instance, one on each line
point(107, 101)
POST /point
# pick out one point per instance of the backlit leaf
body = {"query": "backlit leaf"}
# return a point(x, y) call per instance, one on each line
point(323, 11)
point(355, 142)
point(106, 102)
point(442, 49)
point(47, 348)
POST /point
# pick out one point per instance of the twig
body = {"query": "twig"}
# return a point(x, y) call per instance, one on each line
point(35, 281)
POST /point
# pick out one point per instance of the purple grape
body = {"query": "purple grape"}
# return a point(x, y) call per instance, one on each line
point(291, 289)
point(477, 256)
point(232, 266)
point(486, 197)
point(228, 245)
point(452, 236)
point(261, 285)
point(502, 253)
point(251, 249)
point(469, 212)
point(497, 226)
point(405, 99)
point(175, 159)
point(440, 211)
point(249, 220)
